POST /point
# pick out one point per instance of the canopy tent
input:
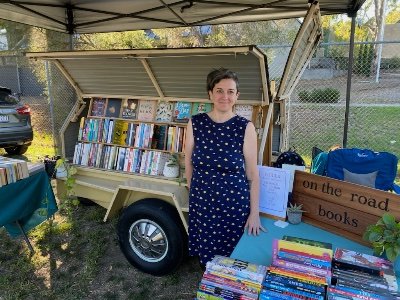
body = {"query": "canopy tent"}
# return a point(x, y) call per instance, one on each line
point(87, 16)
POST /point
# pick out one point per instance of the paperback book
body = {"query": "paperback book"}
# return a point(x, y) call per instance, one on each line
point(164, 112)
point(307, 242)
point(182, 111)
point(130, 108)
point(113, 108)
point(237, 268)
point(200, 107)
point(98, 107)
point(348, 259)
point(245, 111)
point(147, 110)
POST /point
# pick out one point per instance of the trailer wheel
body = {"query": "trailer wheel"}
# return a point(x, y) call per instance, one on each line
point(151, 236)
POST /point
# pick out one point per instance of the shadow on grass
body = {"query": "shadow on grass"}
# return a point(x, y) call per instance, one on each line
point(78, 257)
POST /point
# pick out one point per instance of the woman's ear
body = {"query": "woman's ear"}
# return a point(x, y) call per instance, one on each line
point(209, 95)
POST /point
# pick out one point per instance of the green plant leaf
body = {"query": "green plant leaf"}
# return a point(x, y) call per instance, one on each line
point(389, 220)
point(391, 254)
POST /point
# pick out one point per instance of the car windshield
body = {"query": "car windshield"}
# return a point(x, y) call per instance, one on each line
point(6, 98)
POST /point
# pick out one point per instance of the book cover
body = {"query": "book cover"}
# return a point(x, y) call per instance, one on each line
point(130, 109)
point(164, 112)
point(113, 108)
point(348, 259)
point(245, 111)
point(358, 293)
point(159, 140)
point(298, 275)
point(98, 107)
point(200, 107)
point(237, 267)
point(307, 242)
point(229, 282)
point(323, 273)
point(147, 110)
point(120, 133)
point(182, 111)
point(315, 288)
point(328, 253)
point(303, 259)
point(293, 290)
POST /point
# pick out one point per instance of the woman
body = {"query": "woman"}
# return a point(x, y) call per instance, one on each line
point(222, 173)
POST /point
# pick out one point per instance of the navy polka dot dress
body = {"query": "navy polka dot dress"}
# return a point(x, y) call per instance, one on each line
point(219, 199)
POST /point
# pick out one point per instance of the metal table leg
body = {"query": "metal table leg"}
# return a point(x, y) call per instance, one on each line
point(25, 237)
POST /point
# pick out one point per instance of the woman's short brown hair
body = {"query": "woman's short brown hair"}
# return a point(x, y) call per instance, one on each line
point(217, 75)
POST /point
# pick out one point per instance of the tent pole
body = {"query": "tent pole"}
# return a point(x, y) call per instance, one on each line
point(349, 77)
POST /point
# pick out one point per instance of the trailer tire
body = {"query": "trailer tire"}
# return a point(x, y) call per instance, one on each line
point(151, 236)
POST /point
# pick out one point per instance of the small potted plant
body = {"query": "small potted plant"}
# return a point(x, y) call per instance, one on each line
point(171, 168)
point(294, 213)
point(384, 237)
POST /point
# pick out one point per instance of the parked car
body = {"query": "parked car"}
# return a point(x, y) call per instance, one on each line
point(16, 132)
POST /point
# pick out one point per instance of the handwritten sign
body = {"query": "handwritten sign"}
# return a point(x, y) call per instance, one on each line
point(274, 190)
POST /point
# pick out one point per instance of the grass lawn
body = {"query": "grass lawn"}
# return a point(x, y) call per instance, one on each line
point(42, 145)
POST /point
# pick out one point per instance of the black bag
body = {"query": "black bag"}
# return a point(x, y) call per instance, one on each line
point(290, 157)
point(50, 165)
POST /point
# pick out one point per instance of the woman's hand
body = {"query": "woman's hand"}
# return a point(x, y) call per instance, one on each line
point(254, 224)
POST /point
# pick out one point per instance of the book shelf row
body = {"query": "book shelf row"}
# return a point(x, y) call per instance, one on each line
point(124, 133)
point(118, 158)
point(155, 111)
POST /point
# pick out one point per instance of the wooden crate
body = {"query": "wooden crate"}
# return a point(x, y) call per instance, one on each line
point(341, 207)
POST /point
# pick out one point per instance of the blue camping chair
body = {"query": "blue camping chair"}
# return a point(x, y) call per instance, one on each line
point(363, 166)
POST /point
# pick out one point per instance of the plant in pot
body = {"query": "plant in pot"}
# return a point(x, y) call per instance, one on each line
point(171, 168)
point(294, 213)
point(384, 237)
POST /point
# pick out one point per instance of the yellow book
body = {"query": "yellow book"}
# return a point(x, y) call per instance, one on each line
point(305, 248)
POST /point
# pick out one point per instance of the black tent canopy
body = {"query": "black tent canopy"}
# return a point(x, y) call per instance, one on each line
point(88, 16)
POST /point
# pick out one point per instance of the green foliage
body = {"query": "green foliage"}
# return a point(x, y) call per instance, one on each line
point(364, 60)
point(326, 95)
point(295, 208)
point(68, 199)
point(114, 40)
point(392, 63)
point(384, 236)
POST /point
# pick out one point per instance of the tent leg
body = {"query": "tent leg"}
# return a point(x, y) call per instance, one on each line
point(349, 78)
point(28, 243)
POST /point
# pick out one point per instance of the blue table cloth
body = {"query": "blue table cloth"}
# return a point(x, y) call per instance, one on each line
point(258, 249)
point(29, 201)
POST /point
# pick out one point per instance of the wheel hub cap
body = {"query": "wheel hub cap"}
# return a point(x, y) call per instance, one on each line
point(148, 240)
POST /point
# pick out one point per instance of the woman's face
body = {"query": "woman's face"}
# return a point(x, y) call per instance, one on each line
point(224, 95)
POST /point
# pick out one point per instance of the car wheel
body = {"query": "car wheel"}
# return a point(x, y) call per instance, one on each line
point(151, 236)
point(16, 150)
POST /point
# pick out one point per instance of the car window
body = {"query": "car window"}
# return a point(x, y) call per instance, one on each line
point(6, 98)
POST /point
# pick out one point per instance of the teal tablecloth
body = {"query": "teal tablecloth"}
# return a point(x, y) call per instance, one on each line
point(258, 249)
point(29, 201)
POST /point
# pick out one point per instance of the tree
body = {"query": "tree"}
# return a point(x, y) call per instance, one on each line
point(393, 16)
point(113, 40)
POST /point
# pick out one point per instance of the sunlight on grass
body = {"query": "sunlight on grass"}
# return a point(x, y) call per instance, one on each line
point(42, 145)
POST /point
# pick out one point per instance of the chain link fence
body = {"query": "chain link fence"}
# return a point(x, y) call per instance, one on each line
point(316, 108)
point(315, 111)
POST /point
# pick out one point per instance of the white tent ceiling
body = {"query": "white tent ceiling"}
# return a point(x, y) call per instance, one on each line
point(88, 16)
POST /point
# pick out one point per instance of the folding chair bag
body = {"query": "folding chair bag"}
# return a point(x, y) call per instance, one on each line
point(363, 166)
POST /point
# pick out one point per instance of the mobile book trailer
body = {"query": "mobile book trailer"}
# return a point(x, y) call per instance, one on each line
point(109, 133)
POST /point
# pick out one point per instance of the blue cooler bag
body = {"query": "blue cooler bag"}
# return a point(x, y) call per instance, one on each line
point(363, 166)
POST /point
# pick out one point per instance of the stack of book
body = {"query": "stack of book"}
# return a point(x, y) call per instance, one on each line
point(301, 269)
point(361, 276)
point(12, 170)
point(228, 278)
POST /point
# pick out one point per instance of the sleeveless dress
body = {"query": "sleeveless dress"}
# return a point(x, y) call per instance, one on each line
point(219, 196)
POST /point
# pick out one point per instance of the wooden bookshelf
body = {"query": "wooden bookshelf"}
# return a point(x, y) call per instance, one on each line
point(138, 135)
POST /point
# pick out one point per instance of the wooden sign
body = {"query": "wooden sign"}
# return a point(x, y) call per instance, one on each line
point(342, 207)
